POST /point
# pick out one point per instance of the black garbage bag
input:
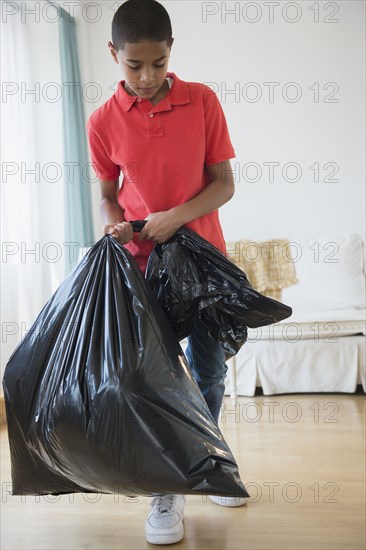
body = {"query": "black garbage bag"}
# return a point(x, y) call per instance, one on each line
point(188, 275)
point(99, 397)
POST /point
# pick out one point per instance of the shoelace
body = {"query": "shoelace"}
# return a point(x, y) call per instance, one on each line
point(165, 503)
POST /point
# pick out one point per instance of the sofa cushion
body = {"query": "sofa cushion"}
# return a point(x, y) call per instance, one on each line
point(330, 270)
point(328, 326)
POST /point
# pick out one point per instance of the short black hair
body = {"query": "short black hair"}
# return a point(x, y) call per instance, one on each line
point(138, 20)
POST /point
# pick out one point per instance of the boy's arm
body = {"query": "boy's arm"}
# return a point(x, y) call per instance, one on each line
point(219, 191)
point(163, 225)
point(112, 214)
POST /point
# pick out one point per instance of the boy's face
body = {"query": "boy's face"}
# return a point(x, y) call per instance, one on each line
point(144, 66)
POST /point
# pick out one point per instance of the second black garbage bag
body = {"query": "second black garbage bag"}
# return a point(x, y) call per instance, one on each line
point(99, 396)
point(189, 275)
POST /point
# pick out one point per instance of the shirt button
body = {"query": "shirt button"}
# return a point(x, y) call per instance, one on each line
point(139, 99)
point(151, 114)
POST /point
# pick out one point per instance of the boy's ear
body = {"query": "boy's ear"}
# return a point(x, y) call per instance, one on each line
point(171, 43)
point(113, 52)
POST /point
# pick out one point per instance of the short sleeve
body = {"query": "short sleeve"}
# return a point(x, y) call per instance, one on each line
point(104, 167)
point(218, 146)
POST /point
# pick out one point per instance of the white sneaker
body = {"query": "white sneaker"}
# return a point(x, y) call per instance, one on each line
point(230, 502)
point(164, 524)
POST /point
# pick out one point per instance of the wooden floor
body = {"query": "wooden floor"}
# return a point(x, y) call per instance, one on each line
point(302, 458)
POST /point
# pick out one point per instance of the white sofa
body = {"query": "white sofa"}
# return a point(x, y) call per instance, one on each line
point(321, 347)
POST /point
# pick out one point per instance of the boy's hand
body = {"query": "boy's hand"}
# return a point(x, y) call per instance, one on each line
point(123, 231)
point(161, 226)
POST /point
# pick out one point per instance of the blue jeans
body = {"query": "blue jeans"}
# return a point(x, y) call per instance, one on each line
point(206, 359)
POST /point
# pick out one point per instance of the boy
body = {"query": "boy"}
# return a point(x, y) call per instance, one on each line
point(170, 140)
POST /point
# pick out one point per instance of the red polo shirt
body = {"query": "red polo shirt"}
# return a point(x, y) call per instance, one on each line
point(161, 151)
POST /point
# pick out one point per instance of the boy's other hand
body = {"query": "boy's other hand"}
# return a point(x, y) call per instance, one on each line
point(122, 231)
point(160, 227)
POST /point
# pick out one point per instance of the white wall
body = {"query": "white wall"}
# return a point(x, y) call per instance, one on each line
point(230, 52)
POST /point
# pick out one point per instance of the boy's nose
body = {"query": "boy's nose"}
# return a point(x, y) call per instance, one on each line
point(147, 78)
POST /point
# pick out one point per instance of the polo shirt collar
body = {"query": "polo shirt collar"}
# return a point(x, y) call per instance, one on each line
point(177, 95)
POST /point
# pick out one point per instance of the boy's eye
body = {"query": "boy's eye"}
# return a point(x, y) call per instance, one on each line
point(137, 68)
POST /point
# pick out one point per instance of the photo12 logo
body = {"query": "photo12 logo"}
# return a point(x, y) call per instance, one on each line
point(273, 91)
point(51, 12)
point(270, 12)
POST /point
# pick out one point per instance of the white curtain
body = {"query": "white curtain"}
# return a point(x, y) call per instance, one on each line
point(31, 203)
